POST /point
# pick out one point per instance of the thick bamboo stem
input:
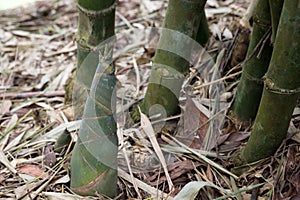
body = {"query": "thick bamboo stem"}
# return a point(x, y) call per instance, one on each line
point(275, 8)
point(257, 61)
point(96, 21)
point(281, 88)
point(94, 157)
point(171, 60)
point(203, 32)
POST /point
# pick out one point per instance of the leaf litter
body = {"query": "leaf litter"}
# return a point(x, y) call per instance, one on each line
point(38, 55)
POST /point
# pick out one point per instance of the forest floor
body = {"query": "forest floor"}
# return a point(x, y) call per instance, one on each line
point(38, 55)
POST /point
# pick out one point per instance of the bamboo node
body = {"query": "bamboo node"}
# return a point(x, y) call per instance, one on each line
point(253, 78)
point(84, 45)
point(270, 85)
point(167, 72)
point(264, 23)
point(192, 1)
point(97, 13)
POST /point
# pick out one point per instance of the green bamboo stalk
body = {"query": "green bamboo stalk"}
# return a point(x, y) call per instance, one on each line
point(171, 60)
point(94, 157)
point(275, 8)
point(257, 61)
point(96, 23)
point(281, 88)
point(203, 32)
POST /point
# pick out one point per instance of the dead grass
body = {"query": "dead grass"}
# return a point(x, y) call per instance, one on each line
point(38, 54)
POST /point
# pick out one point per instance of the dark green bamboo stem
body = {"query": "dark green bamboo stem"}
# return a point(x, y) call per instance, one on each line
point(275, 8)
point(257, 61)
point(203, 32)
point(94, 157)
point(96, 23)
point(281, 90)
point(171, 60)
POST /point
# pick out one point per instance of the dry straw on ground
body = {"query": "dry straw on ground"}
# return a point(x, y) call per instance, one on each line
point(38, 54)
